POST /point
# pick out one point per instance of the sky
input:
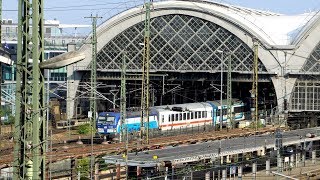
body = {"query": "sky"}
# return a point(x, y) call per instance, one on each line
point(74, 11)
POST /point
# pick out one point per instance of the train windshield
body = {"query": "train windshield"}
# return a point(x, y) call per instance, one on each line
point(106, 120)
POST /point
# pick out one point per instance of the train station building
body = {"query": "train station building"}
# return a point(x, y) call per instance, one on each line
point(191, 42)
point(190, 45)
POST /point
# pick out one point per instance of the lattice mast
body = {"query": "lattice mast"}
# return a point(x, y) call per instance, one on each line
point(123, 107)
point(229, 94)
point(0, 48)
point(123, 98)
point(254, 91)
point(144, 131)
point(93, 78)
point(29, 136)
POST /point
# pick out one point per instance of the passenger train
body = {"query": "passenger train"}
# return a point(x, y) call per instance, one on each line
point(170, 117)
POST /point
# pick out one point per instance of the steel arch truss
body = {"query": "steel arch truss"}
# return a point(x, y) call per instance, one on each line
point(179, 43)
point(312, 64)
point(306, 92)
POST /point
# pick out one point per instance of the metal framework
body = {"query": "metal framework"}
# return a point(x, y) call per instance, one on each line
point(306, 95)
point(254, 91)
point(123, 98)
point(0, 49)
point(312, 64)
point(29, 136)
point(93, 84)
point(178, 43)
point(229, 94)
point(144, 131)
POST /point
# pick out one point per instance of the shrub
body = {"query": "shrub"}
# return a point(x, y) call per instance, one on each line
point(84, 129)
point(84, 168)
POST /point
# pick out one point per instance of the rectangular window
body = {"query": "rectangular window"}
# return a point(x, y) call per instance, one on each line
point(169, 118)
point(204, 114)
point(172, 117)
point(188, 115)
point(184, 116)
point(191, 115)
point(177, 117)
point(48, 31)
point(162, 118)
point(196, 115)
point(225, 111)
point(238, 109)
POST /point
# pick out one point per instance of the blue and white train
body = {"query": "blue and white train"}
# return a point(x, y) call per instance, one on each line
point(170, 117)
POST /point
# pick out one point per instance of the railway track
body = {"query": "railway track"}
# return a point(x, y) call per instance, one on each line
point(74, 150)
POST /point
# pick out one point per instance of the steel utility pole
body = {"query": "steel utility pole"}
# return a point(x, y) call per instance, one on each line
point(144, 131)
point(0, 62)
point(229, 94)
point(123, 97)
point(254, 91)
point(123, 111)
point(29, 136)
point(93, 84)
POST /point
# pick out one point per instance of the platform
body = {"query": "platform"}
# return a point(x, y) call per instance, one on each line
point(209, 150)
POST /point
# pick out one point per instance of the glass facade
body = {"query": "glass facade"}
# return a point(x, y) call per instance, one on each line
point(306, 93)
point(312, 64)
point(178, 43)
point(306, 96)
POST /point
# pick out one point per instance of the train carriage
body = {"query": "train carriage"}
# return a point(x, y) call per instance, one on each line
point(184, 115)
point(237, 110)
point(171, 117)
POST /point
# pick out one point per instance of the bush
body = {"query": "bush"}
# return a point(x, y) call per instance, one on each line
point(10, 120)
point(253, 124)
point(84, 168)
point(84, 129)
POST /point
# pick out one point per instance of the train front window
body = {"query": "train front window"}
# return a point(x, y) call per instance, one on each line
point(106, 120)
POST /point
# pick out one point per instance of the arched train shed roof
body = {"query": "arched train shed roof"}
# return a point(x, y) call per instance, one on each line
point(271, 29)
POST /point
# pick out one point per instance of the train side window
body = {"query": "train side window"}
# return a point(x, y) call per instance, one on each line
point(188, 115)
point(172, 117)
point(162, 118)
point(238, 109)
point(196, 115)
point(191, 115)
point(184, 116)
point(180, 116)
point(177, 117)
point(225, 111)
point(199, 114)
point(169, 119)
point(203, 114)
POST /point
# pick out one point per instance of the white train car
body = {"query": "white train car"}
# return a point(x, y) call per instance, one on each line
point(184, 115)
